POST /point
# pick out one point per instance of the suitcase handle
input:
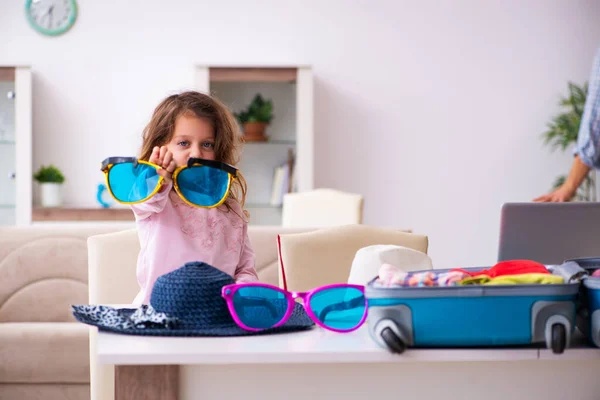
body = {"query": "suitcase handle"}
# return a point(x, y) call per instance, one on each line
point(586, 262)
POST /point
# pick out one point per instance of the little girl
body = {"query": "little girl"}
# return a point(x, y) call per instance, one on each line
point(171, 232)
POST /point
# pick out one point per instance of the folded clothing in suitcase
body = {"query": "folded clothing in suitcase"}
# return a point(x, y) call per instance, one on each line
point(475, 315)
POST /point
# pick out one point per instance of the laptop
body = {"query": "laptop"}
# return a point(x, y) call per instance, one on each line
point(549, 233)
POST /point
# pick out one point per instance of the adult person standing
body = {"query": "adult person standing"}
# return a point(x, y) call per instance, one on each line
point(587, 149)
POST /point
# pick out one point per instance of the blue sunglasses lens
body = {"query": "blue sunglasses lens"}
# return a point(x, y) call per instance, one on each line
point(203, 186)
point(259, 307)
point(341, 308)
point(131, 183)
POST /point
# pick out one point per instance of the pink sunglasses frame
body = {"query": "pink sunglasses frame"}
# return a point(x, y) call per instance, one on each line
point(228, 291)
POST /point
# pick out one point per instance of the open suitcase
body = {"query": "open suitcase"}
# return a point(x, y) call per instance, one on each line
point(588, 313)
point(472, 316)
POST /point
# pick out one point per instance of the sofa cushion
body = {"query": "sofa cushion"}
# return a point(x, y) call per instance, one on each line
point(44, 352)
point(324, 257)
point(45, 391)
point(43, 265)
point(264, 243)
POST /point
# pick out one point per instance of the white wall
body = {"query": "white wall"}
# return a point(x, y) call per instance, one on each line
point(431, 109)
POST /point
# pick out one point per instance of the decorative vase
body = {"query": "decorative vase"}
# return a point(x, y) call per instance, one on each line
point(51, 194)
point(255, 131)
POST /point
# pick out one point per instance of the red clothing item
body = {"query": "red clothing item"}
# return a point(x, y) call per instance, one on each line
point(509, 267)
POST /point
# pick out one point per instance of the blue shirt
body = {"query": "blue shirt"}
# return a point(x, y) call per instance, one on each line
point(588, 138)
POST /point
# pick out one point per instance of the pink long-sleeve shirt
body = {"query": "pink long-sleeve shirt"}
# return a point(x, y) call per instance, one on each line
point(172, 233)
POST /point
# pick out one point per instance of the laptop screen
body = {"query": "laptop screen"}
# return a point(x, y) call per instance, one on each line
point(549, 233)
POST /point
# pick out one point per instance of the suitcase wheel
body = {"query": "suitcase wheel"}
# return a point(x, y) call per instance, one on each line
point(594, 327)
point(559, 338)
point(392, 341)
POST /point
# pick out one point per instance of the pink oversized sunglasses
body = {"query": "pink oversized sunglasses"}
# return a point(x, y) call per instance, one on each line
point(257, 306)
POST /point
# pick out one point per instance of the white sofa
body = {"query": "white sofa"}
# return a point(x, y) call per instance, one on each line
point(44, 353)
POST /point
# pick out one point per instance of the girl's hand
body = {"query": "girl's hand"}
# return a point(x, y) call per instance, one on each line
point(164, 159)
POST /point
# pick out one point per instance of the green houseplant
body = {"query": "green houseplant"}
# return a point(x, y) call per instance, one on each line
point(562, 134)
point(255, 118)
point(50, 179)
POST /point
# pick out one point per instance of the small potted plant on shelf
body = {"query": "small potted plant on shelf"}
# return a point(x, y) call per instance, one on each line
point(255, 119)
point(50, 179)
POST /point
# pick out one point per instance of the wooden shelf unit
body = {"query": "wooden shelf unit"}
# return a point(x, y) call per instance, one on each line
point(59, 214)
point(259, 74)
point(297, 136)
point(291, 89)
point(7, 73)
point(16, 177)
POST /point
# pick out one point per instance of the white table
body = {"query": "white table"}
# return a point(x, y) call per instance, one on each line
point(318, 364)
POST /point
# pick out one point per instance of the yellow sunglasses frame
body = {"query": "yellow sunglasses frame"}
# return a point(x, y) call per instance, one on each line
point(110, 162)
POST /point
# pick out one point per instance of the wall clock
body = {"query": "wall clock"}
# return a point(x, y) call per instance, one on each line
point(51, 17)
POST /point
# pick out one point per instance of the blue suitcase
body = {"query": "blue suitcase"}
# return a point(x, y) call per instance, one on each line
point(588, 313)
point(472, 316)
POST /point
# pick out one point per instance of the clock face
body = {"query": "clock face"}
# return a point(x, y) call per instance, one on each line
point(51, 17)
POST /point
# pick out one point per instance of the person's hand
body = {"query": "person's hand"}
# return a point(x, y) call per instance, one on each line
point(164, 159)
point(560, 195)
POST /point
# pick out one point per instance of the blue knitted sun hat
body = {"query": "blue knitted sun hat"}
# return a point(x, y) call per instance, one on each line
point(189, 303)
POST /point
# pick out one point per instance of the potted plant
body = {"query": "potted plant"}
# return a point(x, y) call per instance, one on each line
point(255, 119)
point(50, 179)
point(562, 133)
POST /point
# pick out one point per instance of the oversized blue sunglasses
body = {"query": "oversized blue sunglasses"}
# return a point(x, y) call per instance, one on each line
point(200, 183)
